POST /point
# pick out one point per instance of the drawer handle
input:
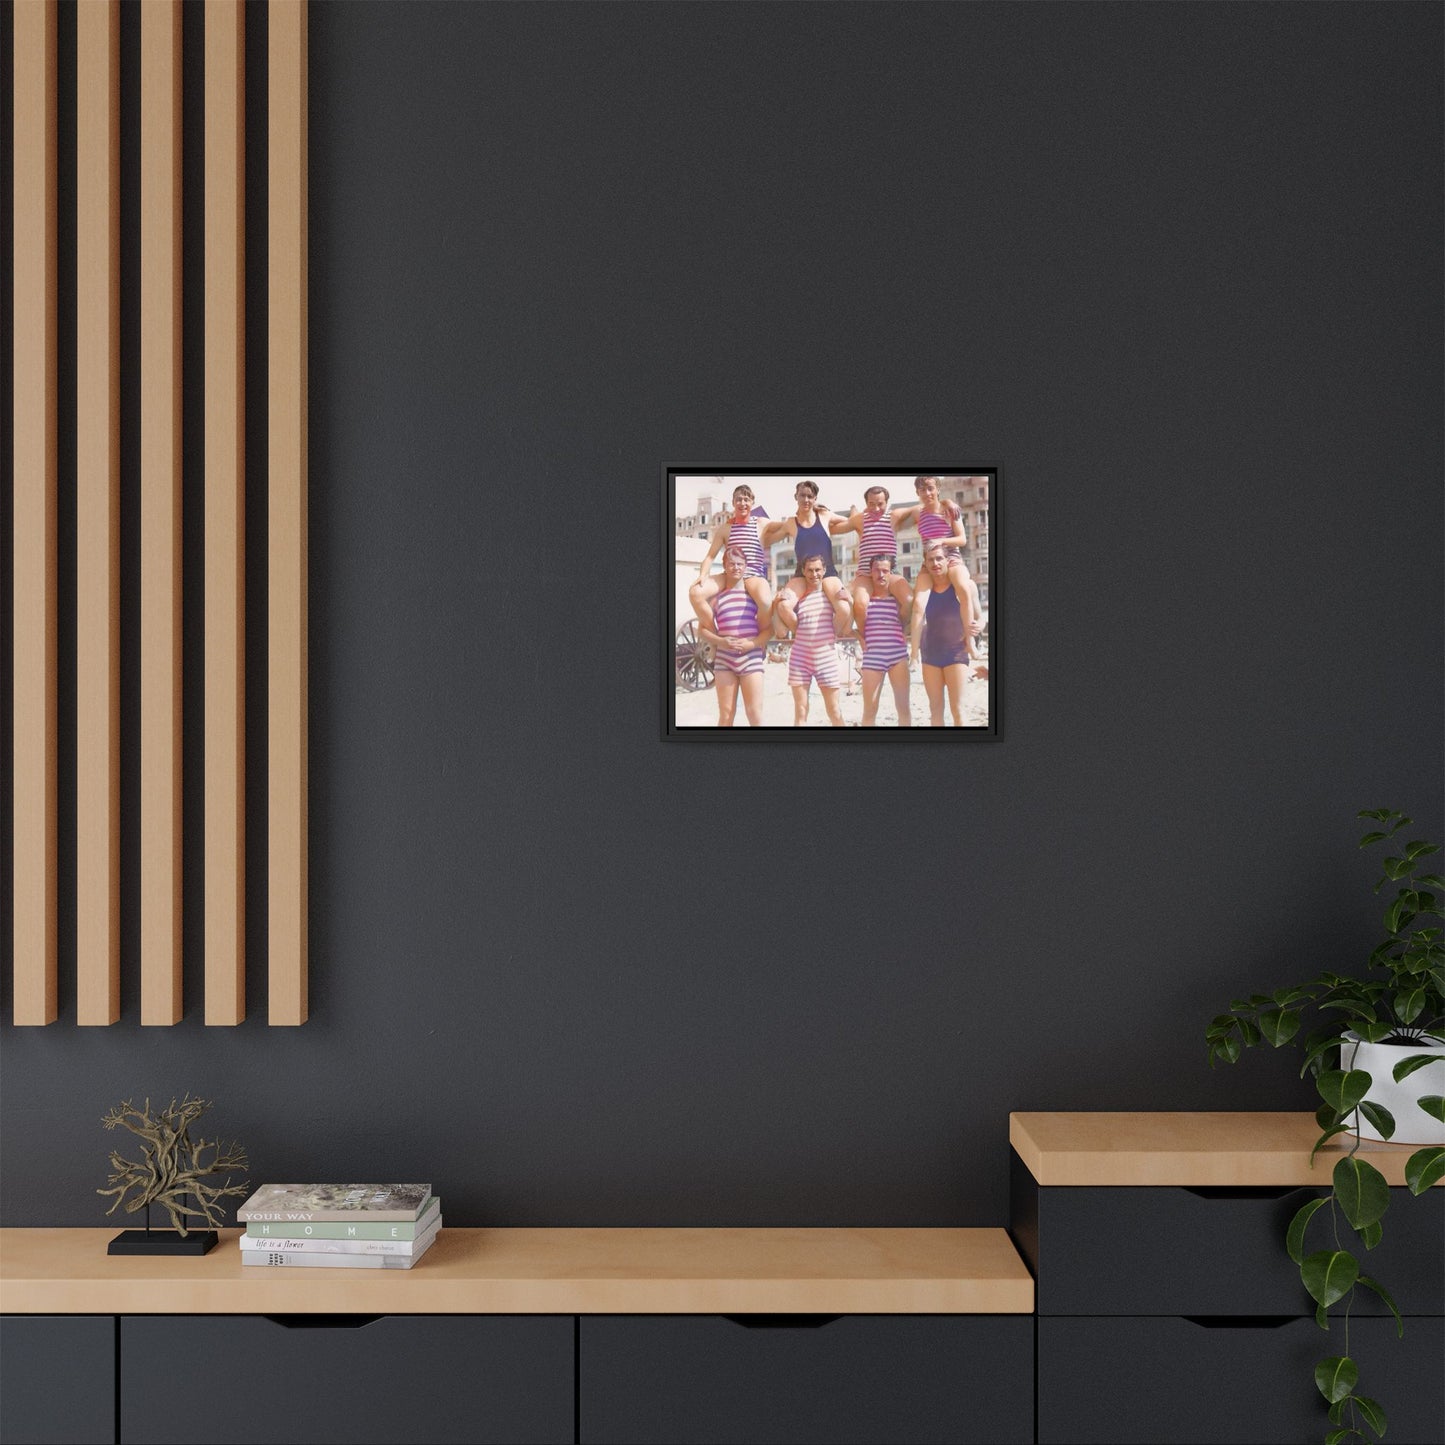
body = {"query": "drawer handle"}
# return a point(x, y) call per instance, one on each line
point(1242, 1322)
point(782, 1322)
point(1243, 1191)
point(322, 1322)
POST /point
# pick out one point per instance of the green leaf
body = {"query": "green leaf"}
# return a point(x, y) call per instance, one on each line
point(1380, 1117)
point(1433, 1105)
point(1420, 849)
point(1408, 1004)
point(1342, 1089)
point(1431, 880)
point(1372, 1234)
point(1321, 1318)
point(1336, 1377)
point(1329, 1275)
point(1396, 868)
point(1373, 1033)
point(1370, 837)
point(1325, 1139)
point(1326, 1117)
point(1318, 1045)
point(1336, 1411)
point(1250, 1030)
point(1400, 912)
point(1279, 1025)
point(1226, 1049)
point(1338, 1437)
point(1406, 1067)
point(1361, 1191)
point(1384, 1294)
point(1423, 1168)
point(1295, 1238)
point(1374, 1415)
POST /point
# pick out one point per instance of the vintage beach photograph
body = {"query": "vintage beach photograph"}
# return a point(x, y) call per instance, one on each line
point(840, 601)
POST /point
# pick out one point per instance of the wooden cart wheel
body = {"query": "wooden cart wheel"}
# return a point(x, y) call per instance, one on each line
point(693, 659)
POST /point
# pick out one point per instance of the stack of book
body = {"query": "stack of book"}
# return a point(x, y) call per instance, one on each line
point(339, 1226)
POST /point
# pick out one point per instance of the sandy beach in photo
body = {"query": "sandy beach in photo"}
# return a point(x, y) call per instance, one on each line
point(699, 709)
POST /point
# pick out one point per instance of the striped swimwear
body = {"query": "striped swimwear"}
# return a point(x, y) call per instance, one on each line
point(878, 540)
point(815, 652)
point(936, 524)
point(735, 614)
point(883, 644)
point(745, 535)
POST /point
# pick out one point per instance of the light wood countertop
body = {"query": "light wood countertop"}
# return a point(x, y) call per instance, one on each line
point(542, 1271)
point(1189, 1150)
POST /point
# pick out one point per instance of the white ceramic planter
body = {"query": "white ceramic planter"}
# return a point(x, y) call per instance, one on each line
point(1412, 1124)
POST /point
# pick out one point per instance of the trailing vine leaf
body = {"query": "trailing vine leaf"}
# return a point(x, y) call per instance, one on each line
point(1384, 1294)
point(1423, 1168)
point(1295, 1238)
point(1325, 1139)
point(1373, 1412)
point(1329, 1275)
point(1322, 1318)
point(1372, 1234)
point(1336, 1377)
point(1342, 1089)
point(1433, 1105)
point(1361, 1190)
point(1379, 1116)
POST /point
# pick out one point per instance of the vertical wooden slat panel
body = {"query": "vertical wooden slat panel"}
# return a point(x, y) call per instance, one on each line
point(97, 539)
point(160, 512)
point(34, 705)
point(286, 528)
point(225, 513)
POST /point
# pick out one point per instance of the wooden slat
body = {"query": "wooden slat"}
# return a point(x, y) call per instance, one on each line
point(34, 705)
point(225, 514)
point(97, 539)
point(286, 528)
point(160, 512)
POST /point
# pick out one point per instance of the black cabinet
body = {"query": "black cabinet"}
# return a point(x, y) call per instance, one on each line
point(352, 1379)
point(57, 1379)
point(1158, 1250)
point(1173, 1314)
point(780, 1378)
point(1227, 1380)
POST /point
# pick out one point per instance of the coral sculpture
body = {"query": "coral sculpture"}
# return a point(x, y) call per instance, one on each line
point(172, 1165)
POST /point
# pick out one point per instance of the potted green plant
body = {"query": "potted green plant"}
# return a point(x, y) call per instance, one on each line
point(1378, 1061)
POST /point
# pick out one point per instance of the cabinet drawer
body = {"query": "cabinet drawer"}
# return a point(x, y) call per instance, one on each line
point(57, 1379)
point(1167, 1251)
point(1166, 1382)
point(306, 1378)
point(780, 1378)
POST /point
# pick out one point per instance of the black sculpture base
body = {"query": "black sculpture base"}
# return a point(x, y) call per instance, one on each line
point(163, 1241)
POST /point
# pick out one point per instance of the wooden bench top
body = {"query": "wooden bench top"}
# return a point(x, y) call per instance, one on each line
point(542, 1271)
point(1190, 1150)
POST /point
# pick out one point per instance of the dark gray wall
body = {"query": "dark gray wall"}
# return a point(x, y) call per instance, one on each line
point(1177, 267)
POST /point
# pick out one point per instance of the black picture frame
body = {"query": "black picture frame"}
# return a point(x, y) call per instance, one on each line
point(682, 673)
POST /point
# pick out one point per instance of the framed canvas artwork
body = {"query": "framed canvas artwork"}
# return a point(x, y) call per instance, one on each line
point(831, 602)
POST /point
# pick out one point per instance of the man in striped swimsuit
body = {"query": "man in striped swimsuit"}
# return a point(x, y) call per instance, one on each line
point(940, 520)
point(814, 621)
point(740, 530)
point(877, 537)
point(739, 628)
point(885, 651)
